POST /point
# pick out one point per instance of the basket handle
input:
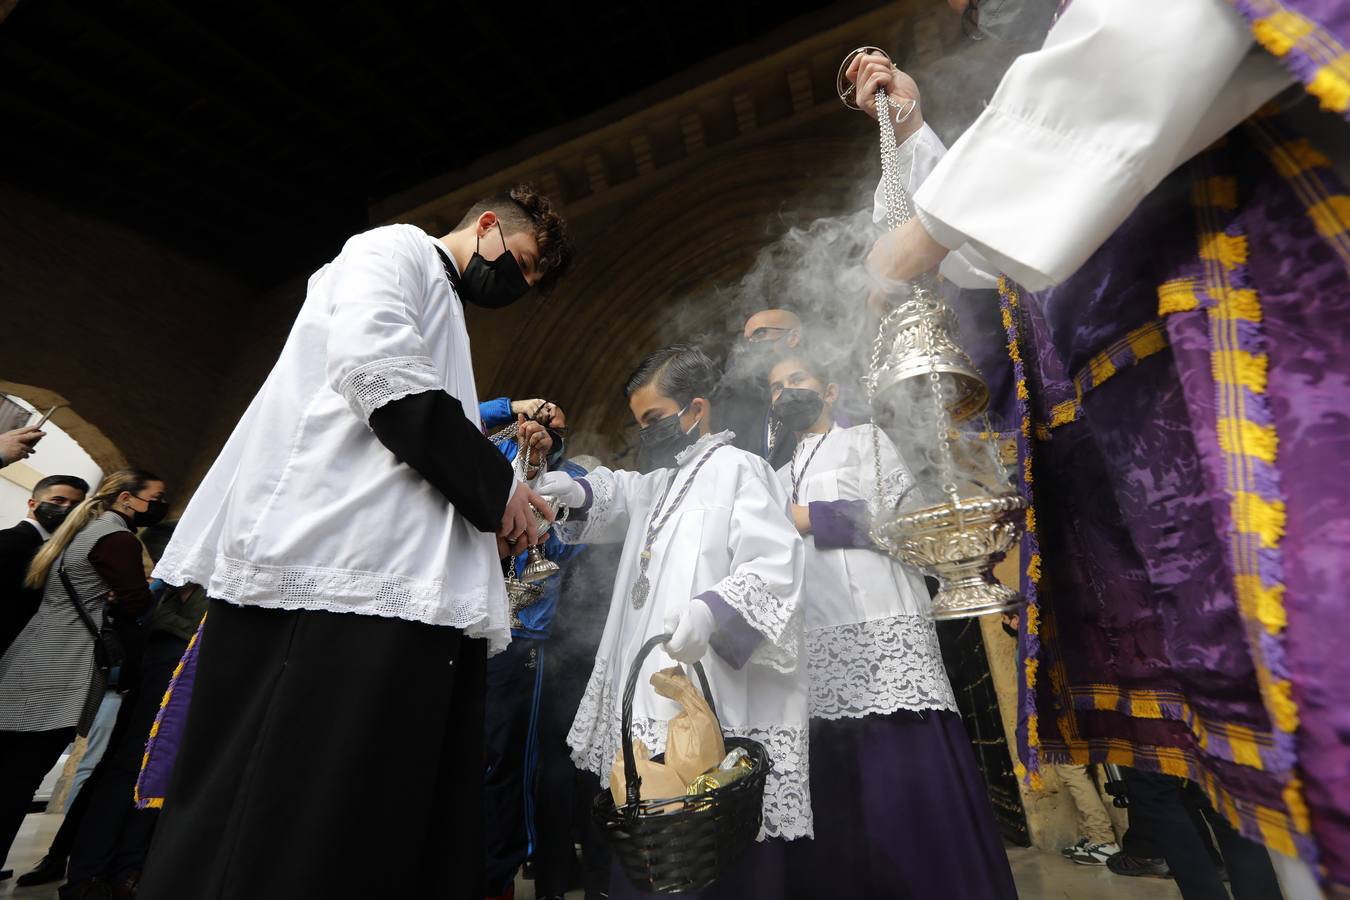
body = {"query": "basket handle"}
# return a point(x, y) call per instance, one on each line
point(631, 780)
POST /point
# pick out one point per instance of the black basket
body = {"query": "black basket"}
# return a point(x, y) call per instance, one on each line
point(681, 844)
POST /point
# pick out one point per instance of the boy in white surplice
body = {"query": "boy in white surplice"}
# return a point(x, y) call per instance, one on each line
point(901, 806)
point(711, 557)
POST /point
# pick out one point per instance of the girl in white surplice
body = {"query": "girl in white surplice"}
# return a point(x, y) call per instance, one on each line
point(710, 556)
point(900, 807)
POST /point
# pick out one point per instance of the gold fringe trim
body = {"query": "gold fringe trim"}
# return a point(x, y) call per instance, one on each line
point(1253, 514)
point(1230, 250)
point(1177, 296)
point(1245, 437)
point(1267, 601)
point(1241, 368)
point(1331, 216)
point(1331, 84)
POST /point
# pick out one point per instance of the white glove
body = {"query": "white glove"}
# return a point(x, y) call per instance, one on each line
point(561, 487)
point(690, 632)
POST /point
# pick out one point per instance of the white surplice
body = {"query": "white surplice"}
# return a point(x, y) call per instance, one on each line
point(304, 508)
point(730, 534)
point(871, 643)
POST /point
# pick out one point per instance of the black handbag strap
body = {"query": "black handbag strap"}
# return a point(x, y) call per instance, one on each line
point(75, 600)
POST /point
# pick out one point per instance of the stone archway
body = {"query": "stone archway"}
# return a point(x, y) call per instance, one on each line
point(89, 436)
point(84, 432)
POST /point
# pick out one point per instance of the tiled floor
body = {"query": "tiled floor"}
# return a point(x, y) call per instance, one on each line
point(1040, 876)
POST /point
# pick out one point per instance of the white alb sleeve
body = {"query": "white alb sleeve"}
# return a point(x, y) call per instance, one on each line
point(918, 156)
point(767, 561)
point(1081, 130)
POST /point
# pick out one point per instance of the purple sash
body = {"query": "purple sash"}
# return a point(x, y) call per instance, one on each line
point(1186, 439)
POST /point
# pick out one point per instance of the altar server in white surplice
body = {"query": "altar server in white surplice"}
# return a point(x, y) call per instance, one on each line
point(349, 535)
point(710, 556)
point(900, 808)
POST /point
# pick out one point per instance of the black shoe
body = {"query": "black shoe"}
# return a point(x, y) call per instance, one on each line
point(1125, 864)
point(6, 873)
point(89, 889)
point(49, 869)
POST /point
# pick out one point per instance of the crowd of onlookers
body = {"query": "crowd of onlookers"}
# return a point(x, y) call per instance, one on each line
point(88, 645)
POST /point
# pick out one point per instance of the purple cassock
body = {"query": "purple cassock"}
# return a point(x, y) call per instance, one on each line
point(1185, 405)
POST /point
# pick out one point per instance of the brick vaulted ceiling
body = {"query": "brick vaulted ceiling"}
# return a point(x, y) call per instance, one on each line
point(259, 135)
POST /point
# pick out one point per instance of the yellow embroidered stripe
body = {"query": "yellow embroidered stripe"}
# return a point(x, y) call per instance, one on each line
point(1283, 31)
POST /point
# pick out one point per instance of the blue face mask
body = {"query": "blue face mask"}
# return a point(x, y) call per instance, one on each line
point(660, 442)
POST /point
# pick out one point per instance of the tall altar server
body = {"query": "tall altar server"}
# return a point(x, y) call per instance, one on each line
point(711, 557)
point(346, 536)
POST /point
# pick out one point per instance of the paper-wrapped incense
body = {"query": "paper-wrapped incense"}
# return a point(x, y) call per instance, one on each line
point(657, 780)
point(693, 738)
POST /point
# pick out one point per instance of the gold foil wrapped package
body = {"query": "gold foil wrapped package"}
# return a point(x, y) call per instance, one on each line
point(734, 767)
point(693, 738)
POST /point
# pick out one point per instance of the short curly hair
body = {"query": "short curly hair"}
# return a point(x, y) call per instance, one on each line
point(521, 208)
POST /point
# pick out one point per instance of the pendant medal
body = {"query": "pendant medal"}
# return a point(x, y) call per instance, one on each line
point(641, 590)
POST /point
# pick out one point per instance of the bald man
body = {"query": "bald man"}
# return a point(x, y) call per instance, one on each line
point(780, 329)
point(743, 396)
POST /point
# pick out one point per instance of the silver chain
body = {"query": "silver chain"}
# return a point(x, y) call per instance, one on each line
point(898, 213)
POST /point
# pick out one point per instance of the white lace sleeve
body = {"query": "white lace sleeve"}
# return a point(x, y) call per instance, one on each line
point(366, 388)
point(375, 352)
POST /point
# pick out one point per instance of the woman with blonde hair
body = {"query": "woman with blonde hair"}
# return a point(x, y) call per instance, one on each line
point(50, 680)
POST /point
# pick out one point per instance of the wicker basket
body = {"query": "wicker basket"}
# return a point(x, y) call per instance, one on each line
point(681, 844)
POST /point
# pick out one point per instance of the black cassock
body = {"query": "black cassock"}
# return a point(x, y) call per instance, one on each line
point(338, 755)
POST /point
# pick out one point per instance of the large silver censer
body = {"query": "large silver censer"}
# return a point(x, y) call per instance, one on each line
point(959, 543)
point(959, 540)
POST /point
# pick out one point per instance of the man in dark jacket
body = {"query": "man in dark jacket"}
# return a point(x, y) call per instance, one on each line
point(53, 497)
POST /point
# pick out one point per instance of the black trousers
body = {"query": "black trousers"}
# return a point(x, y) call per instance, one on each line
point(112, 836)
point(325, 755)
point(1158, 808)
point(565, 793)
point(509, 745)
point(25, 757)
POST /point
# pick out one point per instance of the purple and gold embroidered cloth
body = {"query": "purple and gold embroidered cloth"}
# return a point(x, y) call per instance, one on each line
point(161, 750)
point(1186, 433)
point(1310, 38)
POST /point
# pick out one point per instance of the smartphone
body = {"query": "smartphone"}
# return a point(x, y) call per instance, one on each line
point(47, 415)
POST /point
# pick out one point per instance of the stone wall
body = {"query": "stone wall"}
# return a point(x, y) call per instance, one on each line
point(135, 337)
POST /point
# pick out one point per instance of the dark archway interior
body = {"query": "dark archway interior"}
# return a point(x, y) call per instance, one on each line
point(256, 136)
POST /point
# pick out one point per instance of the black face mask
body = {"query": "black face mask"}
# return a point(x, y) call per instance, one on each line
point(153, 515)
point(496, 283)
point(50, 515)
point(798, 408)
point(660, 442)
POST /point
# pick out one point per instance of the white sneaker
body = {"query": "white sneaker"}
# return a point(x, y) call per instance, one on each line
point(1095, 854)
point(1073, 848)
